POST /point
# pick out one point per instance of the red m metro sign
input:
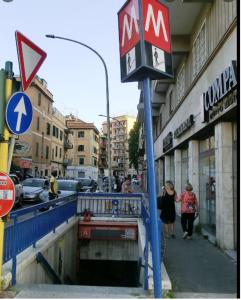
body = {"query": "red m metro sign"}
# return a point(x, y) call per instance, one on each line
point(145, 42)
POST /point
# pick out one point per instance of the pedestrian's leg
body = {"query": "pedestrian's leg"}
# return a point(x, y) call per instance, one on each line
point(166, 230)
point(184, 222)
point(190, 224)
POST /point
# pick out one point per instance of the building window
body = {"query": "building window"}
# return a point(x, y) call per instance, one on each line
point(60, 152)
point(95, 150)
point(81, 134)
point(48, 129)
point(57, 133)
point(81, 161)
point(39, 99)
point(54, 129)
point(180, 83)
point(52, 154)
point(47, 152)
point(199, 50)
point(37, 149)
point(56, 151)
point(61, 135)
point(81, 148)
point(38, 122)
point(170, 103)
point(94, 161)
point(48, 107)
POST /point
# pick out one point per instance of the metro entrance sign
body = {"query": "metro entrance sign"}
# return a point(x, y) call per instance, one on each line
point(145, 42)
point(145, 54)
point(30, 58)
point(7, 194)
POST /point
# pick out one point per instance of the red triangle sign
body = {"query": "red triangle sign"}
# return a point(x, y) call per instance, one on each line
point(30, 58)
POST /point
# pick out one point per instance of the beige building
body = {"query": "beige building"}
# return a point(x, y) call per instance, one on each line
point(85, 152)
point(195, 115)
point(42, 149)
point(32, 150)
point(120, 129)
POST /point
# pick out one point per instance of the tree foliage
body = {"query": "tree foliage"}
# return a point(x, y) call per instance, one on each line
point(134, 145)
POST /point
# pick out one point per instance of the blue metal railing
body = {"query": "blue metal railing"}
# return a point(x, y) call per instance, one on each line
point(110, 204)
point(28, 225)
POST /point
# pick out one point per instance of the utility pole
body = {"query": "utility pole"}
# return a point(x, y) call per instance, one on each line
point(4, 147)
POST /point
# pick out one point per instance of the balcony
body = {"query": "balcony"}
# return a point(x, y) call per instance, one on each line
point(68, 145)
point(67, 162)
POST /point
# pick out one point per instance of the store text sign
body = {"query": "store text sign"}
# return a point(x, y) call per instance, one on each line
point(220, 88)
point(144, 40)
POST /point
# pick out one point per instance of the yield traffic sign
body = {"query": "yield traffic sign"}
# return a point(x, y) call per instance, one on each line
point(19, 113)
point(7, 194)
point(30, 58)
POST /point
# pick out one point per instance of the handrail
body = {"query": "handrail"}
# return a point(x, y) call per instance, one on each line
point(29, 225)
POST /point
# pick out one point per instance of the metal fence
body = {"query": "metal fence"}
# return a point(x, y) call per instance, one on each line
point(28, 225)
point(110, 204)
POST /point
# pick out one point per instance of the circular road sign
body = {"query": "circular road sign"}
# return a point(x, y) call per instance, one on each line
point(7, 194)
point(19, 113)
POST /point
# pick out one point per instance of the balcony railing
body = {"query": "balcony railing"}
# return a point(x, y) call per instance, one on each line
point(67, 162)
point(68, 145)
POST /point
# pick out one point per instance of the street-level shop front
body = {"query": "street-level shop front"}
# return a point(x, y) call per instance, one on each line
point(199, 145)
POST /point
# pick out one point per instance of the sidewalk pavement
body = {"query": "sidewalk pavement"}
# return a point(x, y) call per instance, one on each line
point(198, 269)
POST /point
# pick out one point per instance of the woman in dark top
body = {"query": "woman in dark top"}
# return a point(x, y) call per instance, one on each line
point(167, 205)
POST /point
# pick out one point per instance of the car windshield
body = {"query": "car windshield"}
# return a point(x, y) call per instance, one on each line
point(85, 181)
point(33, 182)
point(67, 186)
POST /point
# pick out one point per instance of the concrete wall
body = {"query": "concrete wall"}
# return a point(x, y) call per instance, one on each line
point(58, 248)
point(109, 250)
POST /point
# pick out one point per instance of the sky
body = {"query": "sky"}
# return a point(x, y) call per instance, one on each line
point(74, 74)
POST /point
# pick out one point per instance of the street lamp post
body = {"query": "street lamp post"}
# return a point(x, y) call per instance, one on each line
point(107, 96)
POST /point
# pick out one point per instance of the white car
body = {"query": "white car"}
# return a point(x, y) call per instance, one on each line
point(18, 190)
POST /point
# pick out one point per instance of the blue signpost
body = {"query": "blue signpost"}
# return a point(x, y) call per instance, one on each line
point(19, 113)
point(145, 55)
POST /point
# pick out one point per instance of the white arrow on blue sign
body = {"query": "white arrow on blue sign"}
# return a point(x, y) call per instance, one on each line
point(19, 113)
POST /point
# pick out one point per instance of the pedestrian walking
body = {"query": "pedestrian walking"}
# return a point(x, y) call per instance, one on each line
point(189, 210)
point(126, 186)
point(53, 188)
point(168, 211)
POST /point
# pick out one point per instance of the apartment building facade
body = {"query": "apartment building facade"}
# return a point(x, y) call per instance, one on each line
point(120, 127)
point(41, 150)
point(195, 113)
point(85, 152)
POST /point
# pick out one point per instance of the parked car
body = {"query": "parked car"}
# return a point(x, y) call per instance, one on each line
point(88, 184)
point(18, 190)
point(33, 187)
point(66, 187)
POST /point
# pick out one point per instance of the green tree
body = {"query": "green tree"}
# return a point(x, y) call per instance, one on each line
point(133, 142)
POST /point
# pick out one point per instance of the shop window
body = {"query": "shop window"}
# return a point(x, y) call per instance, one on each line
point(199, 50)
point(207, 184)
point(172, 168)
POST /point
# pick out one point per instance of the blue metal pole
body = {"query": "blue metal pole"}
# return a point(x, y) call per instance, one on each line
point(155, 234)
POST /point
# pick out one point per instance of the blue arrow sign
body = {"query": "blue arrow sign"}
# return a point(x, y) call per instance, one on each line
point(19, 113)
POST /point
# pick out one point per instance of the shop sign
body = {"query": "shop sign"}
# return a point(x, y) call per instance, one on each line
point(167, 142)
point(223, 85)
point(184, 127)
point(223, 106)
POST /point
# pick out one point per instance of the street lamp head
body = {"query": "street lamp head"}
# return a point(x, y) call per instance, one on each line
point(51, 36)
